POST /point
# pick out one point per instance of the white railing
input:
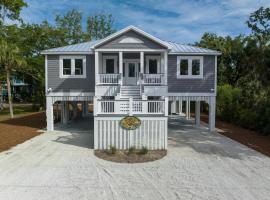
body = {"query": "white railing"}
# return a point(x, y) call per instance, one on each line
point(153, 79)
point(109, 78)
point(130, 107)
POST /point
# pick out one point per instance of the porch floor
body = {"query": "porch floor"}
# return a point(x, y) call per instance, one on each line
point(199, 165)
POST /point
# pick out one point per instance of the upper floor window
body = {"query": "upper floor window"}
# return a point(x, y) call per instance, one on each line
point(72, 67)
point(109, 64)
point(190, 67)
point(152, 64)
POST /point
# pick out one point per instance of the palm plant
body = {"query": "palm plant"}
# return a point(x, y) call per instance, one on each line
point(10, 59)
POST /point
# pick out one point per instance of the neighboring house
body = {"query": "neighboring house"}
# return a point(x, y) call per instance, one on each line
point(20, 90)
point(130, 73)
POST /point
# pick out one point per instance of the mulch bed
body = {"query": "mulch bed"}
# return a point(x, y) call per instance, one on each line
point(247, 137)
point(125, 157)
point(18, 130)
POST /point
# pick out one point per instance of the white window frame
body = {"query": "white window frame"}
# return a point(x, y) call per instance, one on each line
point(72, 75)
point(104, 63)
point(158, 58)
point(189, 58)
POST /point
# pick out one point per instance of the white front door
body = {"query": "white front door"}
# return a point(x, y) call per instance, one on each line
point(131, 72)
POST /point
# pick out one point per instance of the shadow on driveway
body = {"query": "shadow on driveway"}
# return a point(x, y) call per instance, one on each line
point(80, 132)
point(183, 133)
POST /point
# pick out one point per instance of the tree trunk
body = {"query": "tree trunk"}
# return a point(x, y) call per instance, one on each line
point(9, 94)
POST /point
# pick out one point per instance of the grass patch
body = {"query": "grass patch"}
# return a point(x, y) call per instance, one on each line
point(18, 110)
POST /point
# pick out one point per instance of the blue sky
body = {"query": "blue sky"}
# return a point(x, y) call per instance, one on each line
point(172, 20)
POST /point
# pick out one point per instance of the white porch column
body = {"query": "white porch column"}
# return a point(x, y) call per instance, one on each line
point(212, 113)
point(197, 113)
point(165, 67)
point(97, 66)
point(121, 67)
point(188, 108)
point(142, 61)
point(49, 113)
point(173, 107)
point(166, 106)
point(180, 107)
point(95, 102)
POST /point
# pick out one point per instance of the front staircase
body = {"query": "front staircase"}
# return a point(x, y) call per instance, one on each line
point(130, 91)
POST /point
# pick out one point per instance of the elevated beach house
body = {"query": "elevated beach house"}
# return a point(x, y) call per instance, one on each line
point(130, 73)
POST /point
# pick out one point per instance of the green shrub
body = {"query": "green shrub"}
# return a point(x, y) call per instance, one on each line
point(113, 150)
point(131, 150)
point(143, 151)
point(228, 103)
point(248, 118)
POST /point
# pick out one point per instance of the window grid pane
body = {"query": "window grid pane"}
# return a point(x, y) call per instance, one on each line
point(196, 67)
point(67, 66)
point(78, 66)
point(183, 67)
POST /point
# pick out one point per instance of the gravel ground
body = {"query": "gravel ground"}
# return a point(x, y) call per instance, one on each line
point(199, 165)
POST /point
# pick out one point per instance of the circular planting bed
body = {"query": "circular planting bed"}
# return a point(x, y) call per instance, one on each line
point(131, 155)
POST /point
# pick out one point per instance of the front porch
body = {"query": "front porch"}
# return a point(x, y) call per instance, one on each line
point(117, 69)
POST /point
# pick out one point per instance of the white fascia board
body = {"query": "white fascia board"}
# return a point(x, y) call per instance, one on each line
point(68, 94)
point(149, 36)
point(130, 50)
point(191, 94)
point(66, 52)
point(193, 53)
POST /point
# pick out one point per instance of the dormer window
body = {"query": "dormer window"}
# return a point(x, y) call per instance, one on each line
point(72, 66)
point(190, 67)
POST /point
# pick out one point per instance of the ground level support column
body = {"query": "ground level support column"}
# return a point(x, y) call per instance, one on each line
point(49, 113)
point(64, 112)
point(197, 113)
point(212, 113)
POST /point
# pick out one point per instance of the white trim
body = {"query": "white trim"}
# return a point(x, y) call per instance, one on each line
point(96, 68)
point(158, 58)
point(166, 67)
point(104, 58)
point(46, 74)
point(131, 50)
point(149, 36)
point(191, 94)
point(72, 66)
point(142, 61)
point(67, 94)
point(195, 53)
point(121, 67)
point(67, 52)
point(189, 58)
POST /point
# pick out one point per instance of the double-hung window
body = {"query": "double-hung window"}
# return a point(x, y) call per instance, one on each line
point(72, 66)
point(190, 67)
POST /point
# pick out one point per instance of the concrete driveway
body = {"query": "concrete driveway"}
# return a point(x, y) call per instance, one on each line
point(199, 165)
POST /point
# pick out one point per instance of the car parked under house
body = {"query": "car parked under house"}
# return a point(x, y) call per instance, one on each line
point(130, 73)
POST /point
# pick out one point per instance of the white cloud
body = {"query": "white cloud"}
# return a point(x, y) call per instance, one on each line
point(181, 21)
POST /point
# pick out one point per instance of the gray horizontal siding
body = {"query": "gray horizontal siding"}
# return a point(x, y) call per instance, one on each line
point(191, 85)
point(71, 84)
point(147, 43)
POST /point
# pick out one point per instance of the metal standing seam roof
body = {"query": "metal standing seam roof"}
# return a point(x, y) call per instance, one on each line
point(175, 48)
